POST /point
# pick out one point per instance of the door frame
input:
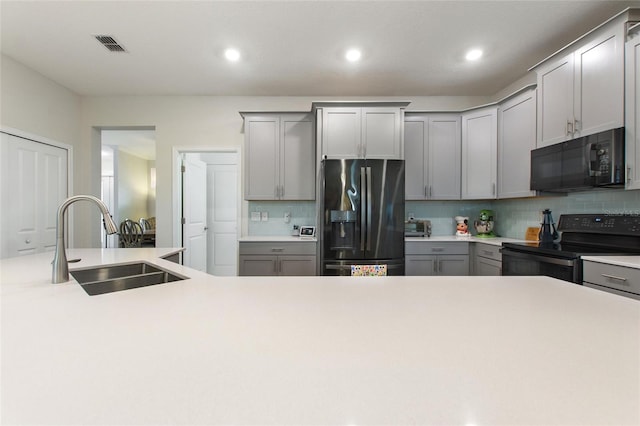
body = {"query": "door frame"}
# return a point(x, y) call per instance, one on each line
point(69, 148)
point(176, 200)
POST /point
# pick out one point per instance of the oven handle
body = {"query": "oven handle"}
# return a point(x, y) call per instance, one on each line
point(543, 259)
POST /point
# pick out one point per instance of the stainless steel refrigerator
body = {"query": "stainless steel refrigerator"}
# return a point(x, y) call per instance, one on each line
point(362, 219)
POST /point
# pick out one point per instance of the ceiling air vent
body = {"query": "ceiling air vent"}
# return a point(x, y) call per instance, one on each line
point(110, 43)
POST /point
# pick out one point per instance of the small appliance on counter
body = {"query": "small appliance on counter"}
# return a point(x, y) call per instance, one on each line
point(417, 228)
point(484, 225)
point(548, 232)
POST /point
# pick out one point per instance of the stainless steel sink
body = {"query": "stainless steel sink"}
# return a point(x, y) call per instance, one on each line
point(125, 276)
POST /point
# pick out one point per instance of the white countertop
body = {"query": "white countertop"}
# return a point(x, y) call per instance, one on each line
point(314, 350)
point(497, 241)
point(261, 238)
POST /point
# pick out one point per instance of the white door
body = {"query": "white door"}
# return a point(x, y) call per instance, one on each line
point(194, 211)
point(222, 204)
point(34, 184)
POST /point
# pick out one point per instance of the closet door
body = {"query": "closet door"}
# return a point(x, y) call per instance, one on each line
point(34, 184)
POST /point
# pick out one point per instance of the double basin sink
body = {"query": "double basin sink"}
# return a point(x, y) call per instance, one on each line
point(124, 276)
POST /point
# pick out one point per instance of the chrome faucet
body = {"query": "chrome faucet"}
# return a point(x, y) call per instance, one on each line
point(60, 265)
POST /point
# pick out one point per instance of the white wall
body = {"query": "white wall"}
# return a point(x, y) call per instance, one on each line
point(133, 187)
point(197, 121)
point(35, 104)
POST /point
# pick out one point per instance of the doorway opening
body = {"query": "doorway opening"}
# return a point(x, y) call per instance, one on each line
point(207, 203)
point(128, 178)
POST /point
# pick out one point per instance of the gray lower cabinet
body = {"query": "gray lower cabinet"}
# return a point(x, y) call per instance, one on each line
point(277, 259)
point(436, 258)
point(487, 260)
point(612, 278)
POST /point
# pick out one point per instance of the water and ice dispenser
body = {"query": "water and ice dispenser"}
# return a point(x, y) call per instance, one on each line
point(343, 230)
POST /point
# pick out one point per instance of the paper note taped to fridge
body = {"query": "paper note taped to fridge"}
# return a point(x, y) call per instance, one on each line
point(368, 270)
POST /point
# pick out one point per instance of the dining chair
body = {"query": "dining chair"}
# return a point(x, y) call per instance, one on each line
point(130, 234)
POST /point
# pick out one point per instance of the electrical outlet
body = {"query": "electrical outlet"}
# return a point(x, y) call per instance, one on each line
point(412, 216)
point(255, 216)
point(264, 216)
point(287, 217)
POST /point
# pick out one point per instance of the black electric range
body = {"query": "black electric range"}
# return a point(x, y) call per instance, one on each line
point(581, 235)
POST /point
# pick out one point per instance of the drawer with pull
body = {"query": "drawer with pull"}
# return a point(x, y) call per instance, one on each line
point(489, 251)
point(432, 247)
point(275, 248)
point(612, 276)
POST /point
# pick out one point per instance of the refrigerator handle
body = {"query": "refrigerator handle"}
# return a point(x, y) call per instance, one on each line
point(363, 204)
point(369, 208)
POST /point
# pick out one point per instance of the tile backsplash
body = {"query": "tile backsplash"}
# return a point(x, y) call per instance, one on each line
point(512, 217)
point(302, 213)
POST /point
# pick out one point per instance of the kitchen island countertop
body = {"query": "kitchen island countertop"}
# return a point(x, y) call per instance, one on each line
point(313, 350)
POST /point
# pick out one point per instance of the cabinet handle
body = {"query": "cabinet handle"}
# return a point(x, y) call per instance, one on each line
point(628, 173)
point(439, 265)
point(426, 192)
point(487, 252)
point(278, 250)
point(576, 125)
point(435, 266)
point(613, 277)
point(437, 249)
point(569, 128)
point(493, 188)
point(430, 191)
point(281, 191)
point(275, 267)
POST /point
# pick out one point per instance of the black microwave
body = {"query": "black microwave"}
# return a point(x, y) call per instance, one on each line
point(588, 162)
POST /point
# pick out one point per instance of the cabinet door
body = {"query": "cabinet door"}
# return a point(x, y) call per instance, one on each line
point(443, 164)
point(555, 101)
point(632, 112)
point(487, 267)
point(415, 146)
point(297, 265)
point(381, 133)
point(516, 139)
point(258, 266)
point(479, 154)
point(341, 133)
point(453, 265)
point(599, 83)
point(419, 265)
point(262, 136)
point(34, 184)
point(297, 158)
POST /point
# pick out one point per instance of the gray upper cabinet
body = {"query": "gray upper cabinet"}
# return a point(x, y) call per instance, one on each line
point(516, 139)
point(479, 153)
point(361, 131)
point(581, 89)
point(432, 156)
point(632, 111)
point(279, 156)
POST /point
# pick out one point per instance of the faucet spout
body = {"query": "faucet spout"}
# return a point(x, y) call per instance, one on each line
point(60, 272)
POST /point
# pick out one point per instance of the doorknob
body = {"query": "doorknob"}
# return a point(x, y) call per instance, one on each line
point(206, 227)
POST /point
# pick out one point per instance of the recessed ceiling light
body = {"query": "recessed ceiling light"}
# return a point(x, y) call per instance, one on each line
point(353, 55)
point(473, 54)
point(232, 54)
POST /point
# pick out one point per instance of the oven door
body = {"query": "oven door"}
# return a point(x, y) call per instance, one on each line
point(525, 263)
